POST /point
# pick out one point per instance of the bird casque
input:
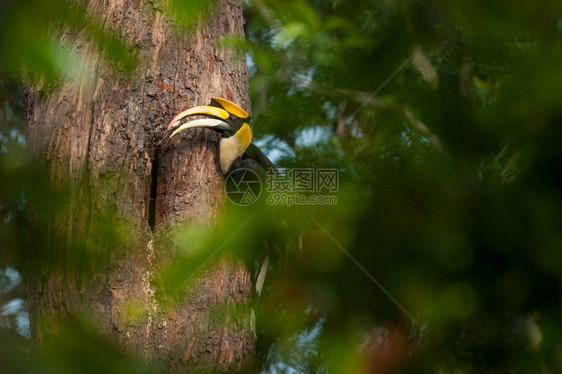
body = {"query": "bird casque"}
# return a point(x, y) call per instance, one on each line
point(232, 122)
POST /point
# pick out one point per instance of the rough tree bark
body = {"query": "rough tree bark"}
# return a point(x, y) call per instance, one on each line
point(97, 142)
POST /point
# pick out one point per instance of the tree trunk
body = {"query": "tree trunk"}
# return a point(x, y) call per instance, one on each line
point(98, 144)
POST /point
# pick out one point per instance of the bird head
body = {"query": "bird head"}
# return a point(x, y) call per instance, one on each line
point(221, 115)
point(225, 117)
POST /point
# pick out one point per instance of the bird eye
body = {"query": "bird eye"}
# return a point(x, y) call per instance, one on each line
point(232, 118)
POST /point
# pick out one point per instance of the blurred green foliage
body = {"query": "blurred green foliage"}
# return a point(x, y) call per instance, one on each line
point(444, 119)
point(28, 47)
point(187, 14)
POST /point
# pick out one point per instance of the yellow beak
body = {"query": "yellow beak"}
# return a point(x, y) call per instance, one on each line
point(204, 110)
point(202, 122)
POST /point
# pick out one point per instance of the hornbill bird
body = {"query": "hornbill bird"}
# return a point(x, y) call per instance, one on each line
point(232, 122)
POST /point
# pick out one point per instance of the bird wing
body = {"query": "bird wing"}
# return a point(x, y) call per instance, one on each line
point(253, 152)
